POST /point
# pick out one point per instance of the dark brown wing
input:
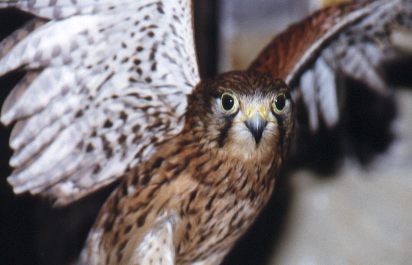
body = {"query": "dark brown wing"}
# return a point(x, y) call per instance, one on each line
point(300, 43)
point(349, 40)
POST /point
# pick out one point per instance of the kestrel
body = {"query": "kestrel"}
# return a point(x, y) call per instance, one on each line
point(112, 91)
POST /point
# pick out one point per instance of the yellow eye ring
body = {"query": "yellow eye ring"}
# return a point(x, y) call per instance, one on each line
point(279, 103)
point(229, 103)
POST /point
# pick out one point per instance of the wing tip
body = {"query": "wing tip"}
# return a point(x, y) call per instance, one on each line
point(59, 196)
point(18, 188)
point(7, 113)
point(5, 118)
point(12, 108)
point(22, 181)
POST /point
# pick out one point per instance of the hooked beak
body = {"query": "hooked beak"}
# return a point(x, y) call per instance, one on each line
point(256, 125)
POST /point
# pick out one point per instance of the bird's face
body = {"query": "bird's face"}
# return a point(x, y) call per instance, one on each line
point(245, 114)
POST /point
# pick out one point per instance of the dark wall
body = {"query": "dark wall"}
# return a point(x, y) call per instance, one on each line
point(16, 213)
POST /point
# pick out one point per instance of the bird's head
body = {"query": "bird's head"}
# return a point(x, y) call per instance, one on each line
point(248, 115)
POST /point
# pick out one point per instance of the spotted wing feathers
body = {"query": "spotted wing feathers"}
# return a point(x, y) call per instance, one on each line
point(105, 82)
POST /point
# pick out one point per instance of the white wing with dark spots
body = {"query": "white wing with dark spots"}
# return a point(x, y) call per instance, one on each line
point(106, 81)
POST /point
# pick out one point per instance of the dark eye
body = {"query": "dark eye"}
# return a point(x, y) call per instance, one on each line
point(229, 102)
point(279, 103)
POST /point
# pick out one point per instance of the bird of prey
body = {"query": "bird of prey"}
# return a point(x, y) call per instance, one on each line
point(112, 91)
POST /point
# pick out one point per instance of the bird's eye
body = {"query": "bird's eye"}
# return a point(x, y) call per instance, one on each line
point(279, 103)
point(229, 103)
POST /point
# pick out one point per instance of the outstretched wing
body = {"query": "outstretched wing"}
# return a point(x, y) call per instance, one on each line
point(350, 40)
point(105, 82)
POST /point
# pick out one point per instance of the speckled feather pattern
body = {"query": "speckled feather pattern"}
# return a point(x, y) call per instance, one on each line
point(111, 95)
point(211, 201)
point(113, 83)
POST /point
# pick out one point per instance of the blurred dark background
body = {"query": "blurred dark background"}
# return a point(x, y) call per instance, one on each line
point(17, 230)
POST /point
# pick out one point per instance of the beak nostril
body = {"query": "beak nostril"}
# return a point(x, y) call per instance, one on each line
point(256, 126)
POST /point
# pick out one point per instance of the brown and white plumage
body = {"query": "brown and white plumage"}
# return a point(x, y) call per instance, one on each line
point(106, 98)
point(202, 189)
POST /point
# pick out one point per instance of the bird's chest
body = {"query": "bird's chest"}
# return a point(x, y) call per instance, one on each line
point(215, 216)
